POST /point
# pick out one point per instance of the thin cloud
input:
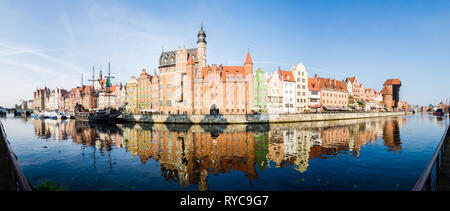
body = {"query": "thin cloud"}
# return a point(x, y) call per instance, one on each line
point(315, 69)
point(21, 50)
point(25, 51)
point(32, 67)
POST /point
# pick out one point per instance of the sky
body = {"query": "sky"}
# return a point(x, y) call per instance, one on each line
point(51, 43)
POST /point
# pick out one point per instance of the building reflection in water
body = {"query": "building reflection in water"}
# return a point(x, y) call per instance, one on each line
point(192, 152)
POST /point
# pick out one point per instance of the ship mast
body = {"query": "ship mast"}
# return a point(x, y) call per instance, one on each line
point(108, 84)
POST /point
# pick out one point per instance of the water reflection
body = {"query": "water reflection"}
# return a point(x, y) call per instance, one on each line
point(189, 153)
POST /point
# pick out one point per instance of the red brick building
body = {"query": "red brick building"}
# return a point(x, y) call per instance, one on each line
point(391, 94)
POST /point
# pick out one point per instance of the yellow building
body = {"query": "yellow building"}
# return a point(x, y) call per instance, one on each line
point(132, 93)
point(144, 86)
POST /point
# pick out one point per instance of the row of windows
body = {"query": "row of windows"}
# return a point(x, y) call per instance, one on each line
point(334, 102)
point(335, 95)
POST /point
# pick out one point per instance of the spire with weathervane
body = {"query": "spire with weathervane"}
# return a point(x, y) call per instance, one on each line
point(201, 47)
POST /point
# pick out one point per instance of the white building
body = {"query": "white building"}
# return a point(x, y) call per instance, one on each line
point(289, 89)
point(56, 99)
point(275, 93)
point(301, 82)
point(314, 95)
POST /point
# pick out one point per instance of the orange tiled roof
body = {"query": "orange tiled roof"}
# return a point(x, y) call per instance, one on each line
point(386, 91)
point(74, 91)
point(326, 83)
point(352, 79)
point(287, 76)
point(112, 88)
point(313, 85)
point(87, 89)
point(393, 82)
point(248, 60)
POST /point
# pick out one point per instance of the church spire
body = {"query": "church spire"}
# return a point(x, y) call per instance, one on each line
point(248, 60)
point(201, 35)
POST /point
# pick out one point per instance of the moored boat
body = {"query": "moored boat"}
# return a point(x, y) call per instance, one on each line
point(62, 115)
point(53, 115)
point(43, 115)
point(99, 115)
point(438, 112)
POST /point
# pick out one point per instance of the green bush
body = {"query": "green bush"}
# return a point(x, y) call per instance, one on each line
point(48, 185)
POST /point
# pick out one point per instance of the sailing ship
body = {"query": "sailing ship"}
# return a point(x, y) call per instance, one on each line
point(98, 115)
point(105, 114)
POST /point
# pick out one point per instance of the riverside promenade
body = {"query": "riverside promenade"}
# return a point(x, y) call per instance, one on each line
point(250, 118)
point(11, 175)
point(436, 175)
point(6, 175)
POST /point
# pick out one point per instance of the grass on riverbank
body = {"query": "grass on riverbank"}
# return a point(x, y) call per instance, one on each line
point(48, 185)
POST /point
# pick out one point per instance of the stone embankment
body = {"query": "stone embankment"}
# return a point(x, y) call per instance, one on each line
point(250, 119)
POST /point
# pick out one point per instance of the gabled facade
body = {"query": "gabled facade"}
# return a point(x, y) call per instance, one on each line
point(301, 87)
point(333, 94)
point(260, 90)
point(289, 94)
point(275, 93)
point(314, 95)
point(132, 95)
point(189, 86)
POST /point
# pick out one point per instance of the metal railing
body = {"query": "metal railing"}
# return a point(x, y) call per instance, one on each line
point(430, 175)
point(21, 181)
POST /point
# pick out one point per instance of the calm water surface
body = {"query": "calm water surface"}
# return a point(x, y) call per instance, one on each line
point(365, 154)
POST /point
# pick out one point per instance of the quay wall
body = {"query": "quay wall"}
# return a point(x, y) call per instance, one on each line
point(249, 119)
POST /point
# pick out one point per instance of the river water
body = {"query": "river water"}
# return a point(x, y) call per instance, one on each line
point(363, 154)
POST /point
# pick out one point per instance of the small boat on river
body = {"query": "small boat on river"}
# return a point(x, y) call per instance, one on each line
point(43, 115)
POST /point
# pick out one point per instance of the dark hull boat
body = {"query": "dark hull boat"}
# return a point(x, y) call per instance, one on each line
point(438, 112)
point(100, 115)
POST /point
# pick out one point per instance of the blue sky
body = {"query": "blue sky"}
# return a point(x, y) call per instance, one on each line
point(50, 43)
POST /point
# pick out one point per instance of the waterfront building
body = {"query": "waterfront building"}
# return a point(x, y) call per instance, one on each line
point(289, 94)
point(144, 85)
point(391, 94)
point(24, 105)
point(189, 86)
point(29, 104)
point(89, 97)
point(110, 97)
point(155, 93)
point(355, 87)
point(275, 93)
point(260, 90)
point(403, 105)
point(173, 73)
point(131, 98)
point(82, 95)
point(56, 99)
point(301, 89)
point(73, 98)
point(123, 94)
point(100, 82)
point(333, 94)
point(40, 98)
point(314, 95)
point(372, 100)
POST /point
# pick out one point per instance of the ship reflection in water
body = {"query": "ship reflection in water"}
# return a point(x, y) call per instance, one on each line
point(187, 154)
